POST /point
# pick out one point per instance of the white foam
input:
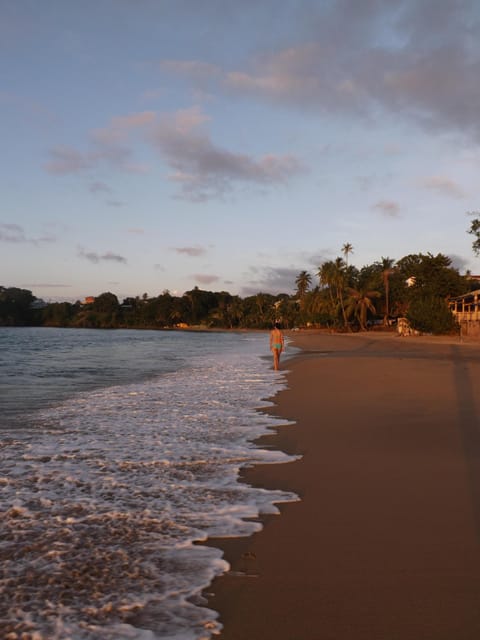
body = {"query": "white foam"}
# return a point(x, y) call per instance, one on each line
point(104, 501)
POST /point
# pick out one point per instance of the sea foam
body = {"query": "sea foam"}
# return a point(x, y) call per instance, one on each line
point(104, 498)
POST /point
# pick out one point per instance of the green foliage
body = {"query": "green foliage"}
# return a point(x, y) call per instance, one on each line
point(376, 291)
point(475, 231)
point(430, 314)
point(359, 304)
point(59, 314)
point(16, 306)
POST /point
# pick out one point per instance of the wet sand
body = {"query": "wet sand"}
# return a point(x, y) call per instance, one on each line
point(385, 541)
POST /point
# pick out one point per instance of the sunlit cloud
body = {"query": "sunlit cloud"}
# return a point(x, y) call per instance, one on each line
point(443, 185)
point(109, 145)
point(387, 208)
point(190, 251)
point(204, 170)
point(200, 168)
point(204, 278)
point(412, 59)
point(64, 160)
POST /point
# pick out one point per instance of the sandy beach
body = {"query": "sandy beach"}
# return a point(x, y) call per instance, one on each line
point(384, 543)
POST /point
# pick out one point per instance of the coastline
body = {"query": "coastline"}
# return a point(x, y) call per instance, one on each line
point(385, 540)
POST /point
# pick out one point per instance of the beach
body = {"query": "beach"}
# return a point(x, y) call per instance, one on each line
point(384, 543)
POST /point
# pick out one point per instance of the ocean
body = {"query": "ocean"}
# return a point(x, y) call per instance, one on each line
point(119, 450)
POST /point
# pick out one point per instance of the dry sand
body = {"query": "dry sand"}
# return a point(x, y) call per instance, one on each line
point(385, 541)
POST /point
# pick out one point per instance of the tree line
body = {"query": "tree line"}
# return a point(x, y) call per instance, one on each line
point(339, 297)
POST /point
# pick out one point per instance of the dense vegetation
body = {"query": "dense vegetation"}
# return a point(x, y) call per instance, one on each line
point(345, 298)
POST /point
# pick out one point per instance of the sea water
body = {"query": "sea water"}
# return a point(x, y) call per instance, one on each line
point(118, 451)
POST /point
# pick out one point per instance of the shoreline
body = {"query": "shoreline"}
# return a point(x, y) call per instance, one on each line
point(384, 542)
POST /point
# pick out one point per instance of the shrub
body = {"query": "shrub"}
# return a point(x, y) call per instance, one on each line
point(431, 315)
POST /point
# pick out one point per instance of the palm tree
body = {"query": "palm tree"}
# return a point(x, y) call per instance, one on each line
point(346, 250)
point(332, 274)
point(359, 303)
point(387, 270)
point(303, 282)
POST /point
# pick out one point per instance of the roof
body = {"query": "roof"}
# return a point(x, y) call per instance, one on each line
point(470, 294)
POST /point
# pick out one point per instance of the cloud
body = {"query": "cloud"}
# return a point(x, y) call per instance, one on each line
point(109, 145)
point(204, 278)
point(46, 285)
point(458, 262)
point(95, 258)
point(443, 185)
point(199, 167)
point(100, 187)
point(12, 233)
point(195, 69)
point(202, 169)
point(64, 160)
point(191, 251)
point(387, 208)
point(270, 280)
point(15, 234)
point(412, 59)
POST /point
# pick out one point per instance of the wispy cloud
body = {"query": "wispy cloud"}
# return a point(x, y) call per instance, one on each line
point(12, 233)
point(190, 251)
point(64, 160)
point(204, 170)
point(46, 285)
point(412, 59)
point(205, 278)
point(100, 187)
point(200, 168)
point(109, 145)
point(96, 258)
point(443, 185)
point(16, 234)
point(387, 208)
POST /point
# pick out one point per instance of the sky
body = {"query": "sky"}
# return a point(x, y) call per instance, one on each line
point(152, 145)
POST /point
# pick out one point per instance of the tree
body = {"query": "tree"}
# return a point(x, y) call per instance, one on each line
point(333, 275)
point(106, 303)
point(15, 306)
point(433, 275)
point(346, 250)
point(475, 231)
point(387, 270)
point(430, 314)
point(303, 282)
point(359, 303)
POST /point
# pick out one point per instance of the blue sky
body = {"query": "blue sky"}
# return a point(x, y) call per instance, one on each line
point(166, 144)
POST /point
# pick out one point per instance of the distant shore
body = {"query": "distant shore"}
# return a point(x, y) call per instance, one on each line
point(385, 541)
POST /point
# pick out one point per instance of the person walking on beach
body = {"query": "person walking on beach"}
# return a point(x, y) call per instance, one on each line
point(277, 344)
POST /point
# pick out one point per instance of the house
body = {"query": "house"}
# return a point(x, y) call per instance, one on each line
point(466, 310)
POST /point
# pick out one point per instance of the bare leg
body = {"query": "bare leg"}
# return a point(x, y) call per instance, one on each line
point(276, 358)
